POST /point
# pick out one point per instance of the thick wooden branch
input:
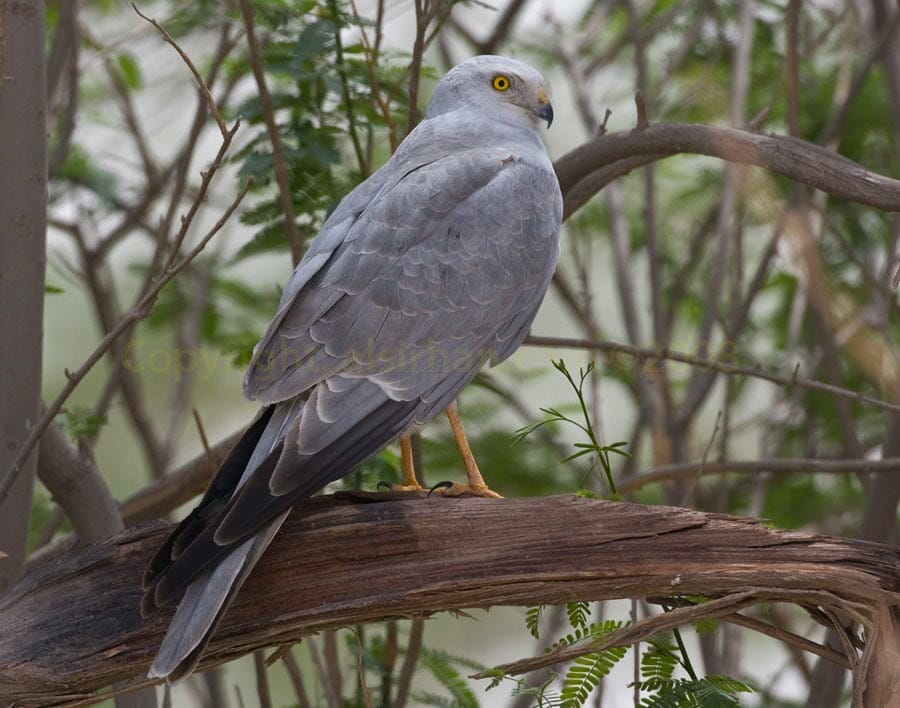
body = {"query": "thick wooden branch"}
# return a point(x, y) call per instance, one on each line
point(72, 627)
point(587, 168)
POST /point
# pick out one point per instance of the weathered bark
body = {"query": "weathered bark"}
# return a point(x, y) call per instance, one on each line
point(73, 627)
point(23, 225)
point(76, 484)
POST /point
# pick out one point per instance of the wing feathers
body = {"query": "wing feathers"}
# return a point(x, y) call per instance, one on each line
point(220, 489)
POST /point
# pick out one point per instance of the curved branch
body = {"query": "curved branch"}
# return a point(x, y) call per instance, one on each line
point(791, 157)
point(788, 465)
point(581, 192)
point(406, 557)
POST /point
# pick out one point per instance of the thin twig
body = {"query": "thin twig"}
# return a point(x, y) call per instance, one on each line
point(615, 349)
point(296, 676)
point(223, 129)
point(787, 465)
point(415, 66)
point(285, 200)
point(413, 646)
point(331, 697)
point(702, 466)
point(792, 65)
point(141, 309)
point(262, 679)
point(787, 637)
point(332, 664)
point(345, 90)
point(640, 104)
point(633, 633)
point(204, 440)
point(361, 671)
point(371, 51)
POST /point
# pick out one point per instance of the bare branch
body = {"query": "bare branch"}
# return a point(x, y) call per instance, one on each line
point(141, 309)
point(295, 240)
point(223, 129)
point(413, 646)
point(788, 638)
point(262, 680)
point(77, 486)
point(802, 161)
point(794, 465)
point(721, 366)
point(296, 676)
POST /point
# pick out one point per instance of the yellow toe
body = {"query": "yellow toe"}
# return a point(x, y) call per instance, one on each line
point(466, 490)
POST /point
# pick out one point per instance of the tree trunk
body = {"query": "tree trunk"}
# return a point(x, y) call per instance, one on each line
point(23, 226)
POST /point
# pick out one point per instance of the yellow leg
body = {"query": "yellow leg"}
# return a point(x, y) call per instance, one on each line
point(409, 483)
point(476, 485)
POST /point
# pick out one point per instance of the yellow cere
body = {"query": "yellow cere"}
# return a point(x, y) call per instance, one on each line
point(500, 82)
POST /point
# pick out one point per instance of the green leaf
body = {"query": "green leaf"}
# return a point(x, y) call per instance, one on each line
point(578, 613)
point(705, 626)
point(271, 238)
point(659, 659)
point(595, 630)
point(80, 170)
point(532, 619)
point(440, 664)
point(586, 673)
point(130, 70)
point(53, 290)
point(82, 423)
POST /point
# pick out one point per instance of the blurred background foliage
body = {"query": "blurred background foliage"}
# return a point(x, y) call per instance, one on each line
point(691, 254)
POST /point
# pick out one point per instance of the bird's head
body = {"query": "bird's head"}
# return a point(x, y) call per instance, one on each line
point(494, 86)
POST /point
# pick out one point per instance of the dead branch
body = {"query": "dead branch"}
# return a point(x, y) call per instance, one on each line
point(72, 627)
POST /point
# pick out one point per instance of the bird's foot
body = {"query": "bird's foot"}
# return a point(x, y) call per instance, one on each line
point(454, 489)
point(415, 487)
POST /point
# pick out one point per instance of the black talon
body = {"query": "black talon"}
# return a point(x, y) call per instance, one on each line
point(440, 485)
point(382, 483)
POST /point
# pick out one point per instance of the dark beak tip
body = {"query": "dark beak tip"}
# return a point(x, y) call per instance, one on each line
point(545, 112)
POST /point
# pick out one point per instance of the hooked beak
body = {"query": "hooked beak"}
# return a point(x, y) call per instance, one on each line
point(544, 111)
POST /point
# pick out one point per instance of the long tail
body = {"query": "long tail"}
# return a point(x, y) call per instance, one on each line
point(207, 598)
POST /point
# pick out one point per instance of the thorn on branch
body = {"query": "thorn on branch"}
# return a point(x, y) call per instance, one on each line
point(601, 129)
point(640, 103)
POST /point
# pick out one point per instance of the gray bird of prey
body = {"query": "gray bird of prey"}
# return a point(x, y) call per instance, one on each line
point(432, 267)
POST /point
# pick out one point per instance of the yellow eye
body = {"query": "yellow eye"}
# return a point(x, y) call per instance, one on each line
point(500, 82)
